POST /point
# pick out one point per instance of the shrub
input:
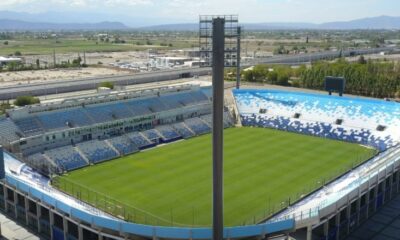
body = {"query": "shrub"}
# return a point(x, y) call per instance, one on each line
point(109, 85)
point(26, 100)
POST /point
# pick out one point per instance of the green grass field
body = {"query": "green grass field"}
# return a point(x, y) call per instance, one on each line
point(172, 183)
point(73, 45)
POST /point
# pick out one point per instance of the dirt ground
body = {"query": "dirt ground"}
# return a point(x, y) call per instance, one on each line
point(94, 58)
point(26, 77)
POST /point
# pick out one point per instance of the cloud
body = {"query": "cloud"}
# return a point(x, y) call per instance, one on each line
point(14, 2)
point(46, 4)
point(113, 3)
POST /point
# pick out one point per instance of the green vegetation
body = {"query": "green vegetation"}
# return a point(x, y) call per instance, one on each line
point(26, 100)
point(47, 46)
point(18, 66)
point(109, 85)
point(3, 107)
point(274, 74)
point(265, 170)
point(368, 78)
point(378, 79)
point(29, 45)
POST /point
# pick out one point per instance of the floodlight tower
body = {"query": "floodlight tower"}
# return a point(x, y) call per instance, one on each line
point(239, 30)
point(221, 33)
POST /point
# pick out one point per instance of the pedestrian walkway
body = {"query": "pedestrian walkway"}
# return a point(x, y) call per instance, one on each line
point(383, 225)
point(15, 231)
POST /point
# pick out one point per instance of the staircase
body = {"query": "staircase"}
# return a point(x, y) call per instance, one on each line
point(188, 128)
point(82, 155)
point(112, 147)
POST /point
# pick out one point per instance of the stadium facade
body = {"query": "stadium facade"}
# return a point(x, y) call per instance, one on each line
point(50, 139)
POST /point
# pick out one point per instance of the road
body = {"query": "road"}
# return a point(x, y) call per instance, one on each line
point(56, 87)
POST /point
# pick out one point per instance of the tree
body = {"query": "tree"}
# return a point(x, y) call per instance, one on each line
point(14, 66)
point(4, 107)
point(272, 77)
point(397, 95)
point(280, 50)
point(5, 43)
point(361, 60)
point(109, 85)
point(18, 53)
point(26, 100)
point(283, 79)
point(77, 61)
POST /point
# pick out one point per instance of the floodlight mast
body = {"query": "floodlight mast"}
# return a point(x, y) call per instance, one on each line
point(218, 52)
point(239, 30)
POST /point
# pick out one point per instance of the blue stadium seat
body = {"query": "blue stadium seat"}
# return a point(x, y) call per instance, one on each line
point(67, 158)
point(183, 130)
point(97, 151)
point(140, 141)
point(65, 119)
point(168, 134)
point(197, 125)
point(317, 115)
point(124, 145)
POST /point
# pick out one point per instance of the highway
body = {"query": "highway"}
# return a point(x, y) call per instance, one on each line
point(55, 87)
point(312, 57)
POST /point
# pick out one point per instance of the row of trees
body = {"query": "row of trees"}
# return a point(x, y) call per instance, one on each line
point(18, 66)
point(31, 100)
point(275, 74)
point(380, 79)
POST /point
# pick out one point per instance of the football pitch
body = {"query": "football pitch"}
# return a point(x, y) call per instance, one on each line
point(264, 170)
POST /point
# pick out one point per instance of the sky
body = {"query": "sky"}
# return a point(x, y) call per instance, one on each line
point(179, 11)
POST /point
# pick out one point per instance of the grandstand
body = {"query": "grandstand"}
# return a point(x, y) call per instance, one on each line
point(348, 119)
point(81, 136)
point(93, 130)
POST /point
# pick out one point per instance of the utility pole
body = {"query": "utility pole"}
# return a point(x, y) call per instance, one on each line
point(218, 52)
point(54, 58)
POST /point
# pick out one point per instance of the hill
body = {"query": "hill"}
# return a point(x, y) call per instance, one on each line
point(20, 21)
point(382, 22)
point(18, 25)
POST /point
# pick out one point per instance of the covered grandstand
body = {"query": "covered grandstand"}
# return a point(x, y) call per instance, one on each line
point(71, 134)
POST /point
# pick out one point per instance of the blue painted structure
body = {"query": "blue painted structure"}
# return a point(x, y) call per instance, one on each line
point(147, 230)
point(2, 169)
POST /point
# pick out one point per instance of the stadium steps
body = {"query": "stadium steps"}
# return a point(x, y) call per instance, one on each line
point(188, 128)
point(237, 122)
point(112, 147)
point(159, 133)
point(204, 121)
point(144, 136)
point(49, 160)
point(82, 155)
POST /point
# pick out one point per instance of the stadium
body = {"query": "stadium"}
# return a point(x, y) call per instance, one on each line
point(137, 164)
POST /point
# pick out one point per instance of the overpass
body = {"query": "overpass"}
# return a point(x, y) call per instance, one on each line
point(71, 85)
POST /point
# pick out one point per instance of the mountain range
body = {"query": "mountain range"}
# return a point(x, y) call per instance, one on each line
point(382, 22)
point(18, 25)
point(19, 21)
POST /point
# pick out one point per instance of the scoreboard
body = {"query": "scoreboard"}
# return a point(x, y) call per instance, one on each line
point(335, 84)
